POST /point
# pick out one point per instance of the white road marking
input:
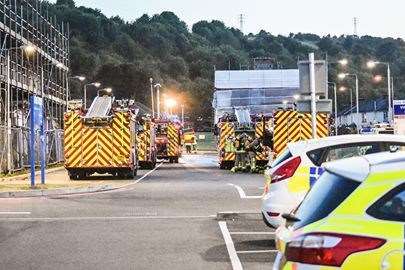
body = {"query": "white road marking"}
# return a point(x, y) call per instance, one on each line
point(119, 189)
point(236, 264)
point(102, 218)
point(15, 213)
point(257, 251)
point(242, 193)
point(253, 233)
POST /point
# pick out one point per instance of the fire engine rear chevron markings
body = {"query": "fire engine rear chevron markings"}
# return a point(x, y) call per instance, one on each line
point(173, 141)
point(97, 147)
point(290, 126)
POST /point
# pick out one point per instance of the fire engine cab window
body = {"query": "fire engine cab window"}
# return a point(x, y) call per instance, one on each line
point(324, 197)
point(351, 151)
point(390, 207)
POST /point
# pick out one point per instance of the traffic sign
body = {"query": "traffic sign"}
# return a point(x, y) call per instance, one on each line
point(37, 125)
point(399, 107)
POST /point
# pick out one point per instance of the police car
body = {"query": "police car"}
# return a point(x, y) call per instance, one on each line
point(294, 172)
point(353, 218)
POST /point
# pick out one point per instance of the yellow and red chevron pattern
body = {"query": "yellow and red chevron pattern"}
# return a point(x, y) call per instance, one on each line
point(291, 126)
point(98, 147)
point(143, 142)
point(174, 141)
point(226, 130)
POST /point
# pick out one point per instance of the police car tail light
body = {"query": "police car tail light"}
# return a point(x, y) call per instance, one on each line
point(328, 249)
point(286, 170)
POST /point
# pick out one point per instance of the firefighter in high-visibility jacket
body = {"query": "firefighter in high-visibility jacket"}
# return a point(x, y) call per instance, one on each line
point(240, 161)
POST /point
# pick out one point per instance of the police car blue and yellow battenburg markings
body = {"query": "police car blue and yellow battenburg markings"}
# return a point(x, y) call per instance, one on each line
point(291, 126)
point(352, 217)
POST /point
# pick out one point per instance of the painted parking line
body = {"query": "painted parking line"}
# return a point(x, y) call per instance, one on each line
point(242, 193)
point(122, 188)
point(253, 233)
point(256, 251)
point(15, 213)
point(236, 264)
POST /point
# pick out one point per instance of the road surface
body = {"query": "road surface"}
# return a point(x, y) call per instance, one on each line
point(165, 220)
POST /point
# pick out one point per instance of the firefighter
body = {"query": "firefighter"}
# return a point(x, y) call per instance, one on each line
point(253, 148)
point(240, 162)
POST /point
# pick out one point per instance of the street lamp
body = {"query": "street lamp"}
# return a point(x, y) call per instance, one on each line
point(152, 97)
point(95, 84)
point(170, 104)
point(80, 78)
point(373, 64)
point(335, 95)
point(158, 86)
point(344, 89)
point(343, 62)
point(342, 76)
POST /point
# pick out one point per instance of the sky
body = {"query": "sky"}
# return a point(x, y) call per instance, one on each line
point(322, 17)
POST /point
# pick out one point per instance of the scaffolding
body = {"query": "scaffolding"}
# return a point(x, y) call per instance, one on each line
point(42, 71)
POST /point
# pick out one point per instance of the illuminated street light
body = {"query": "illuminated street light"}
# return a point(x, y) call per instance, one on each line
point(343, 62)
point(342, 76)
point(108, 90)
point(373, 64)
point(170, 103)
point(377, 78)
point(342, 89)
point(29, 49)
point(95, 84)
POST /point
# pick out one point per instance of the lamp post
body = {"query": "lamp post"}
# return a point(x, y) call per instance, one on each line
point(342, 76)
point(343, 89)
point(373, 64)
point(335, 97)
point(157, 86)
point(182, 114)
point(152, 97)
point(95, 84)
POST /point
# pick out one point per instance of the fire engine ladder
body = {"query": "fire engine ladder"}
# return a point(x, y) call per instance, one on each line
point(99, 110)
point(243, 117)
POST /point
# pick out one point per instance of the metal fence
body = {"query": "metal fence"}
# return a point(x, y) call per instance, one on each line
point(20, 144)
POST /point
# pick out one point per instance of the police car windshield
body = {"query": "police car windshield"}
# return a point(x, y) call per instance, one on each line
point(324, 197)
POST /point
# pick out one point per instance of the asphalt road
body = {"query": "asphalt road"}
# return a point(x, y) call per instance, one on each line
point(167, 220)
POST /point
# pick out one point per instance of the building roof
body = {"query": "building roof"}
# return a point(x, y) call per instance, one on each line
point(376, 105)
point(248, 79)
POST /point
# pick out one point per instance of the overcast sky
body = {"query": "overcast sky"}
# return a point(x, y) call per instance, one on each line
point(376, 18)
